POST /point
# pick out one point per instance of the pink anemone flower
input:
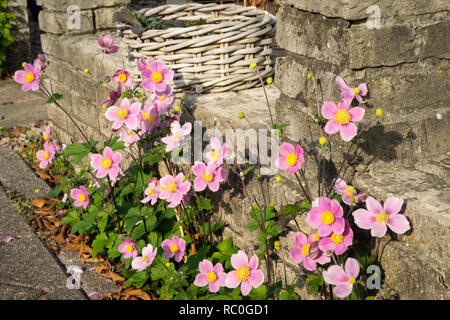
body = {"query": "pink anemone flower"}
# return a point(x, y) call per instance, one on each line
point(149, 117)
point(291, 158)
point(327, 217)
point(47, 134)
point(157, 77)
point(81, 197)
point(123, 78)
point(173, 189)
point(307, 251)
point(29, 77)
point(377, 217)
point(348, 93)
point(177, 136)
point(143, 63)
point(114, 96)
point(343, 280)
point(152, 191)
point(210, 275)
point(106, 164)
point(246, 273)
point(341, 118)
point(337, 243)
point(130, 137)
point(45, 156)
point(174, 247)
point(148, 255)
point(41, 61)
point(219, 151)
point(128, 248)
point(106, 43)
point(348, 193)
point(126, 114)
point(208, 176)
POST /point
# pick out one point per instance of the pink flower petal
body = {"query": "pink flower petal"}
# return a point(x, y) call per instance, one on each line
point(348, 131)
point(343, 290)
point(329, 109)
point(393, 205)
point(332, 127)
point(373, 205)
point(352, 267)
point(357, 114)
point(364, 219)
point(238, 260)
point(398, 223)
point(231, 281)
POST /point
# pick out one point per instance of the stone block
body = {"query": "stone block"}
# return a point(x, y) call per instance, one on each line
point(61, 5)
point(62, 22)
point(357, 9)
point(312, 35)
point(104, 18)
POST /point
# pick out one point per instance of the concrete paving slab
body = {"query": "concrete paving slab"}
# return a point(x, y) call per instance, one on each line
point(25, 263)
point(16, 175)
point(18, 107)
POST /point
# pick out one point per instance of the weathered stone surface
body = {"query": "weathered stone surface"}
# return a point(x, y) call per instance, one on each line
point(312, 35)
point(412, 274)
point(104, 18)
point(380, 47)
point(357, 9)
point(60, 23)
point(61, 5)
point(427, 199)
point(435, 46)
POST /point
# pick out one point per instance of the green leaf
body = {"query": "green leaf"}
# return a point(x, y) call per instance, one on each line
point(102, 220)
point(227, 247)
point(79, 150)
point(71, 217)
point(252, 225)
point(246, 171)
point(289, 210)
point(100, 242)
point(138, 279)
point(259, 293)
point(55, 97)
point(313, 282)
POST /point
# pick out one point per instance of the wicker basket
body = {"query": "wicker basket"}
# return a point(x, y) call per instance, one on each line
point(215, 55)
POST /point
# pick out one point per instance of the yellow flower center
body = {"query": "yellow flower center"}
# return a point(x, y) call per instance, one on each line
point(337, 238)
point(174, 248)
point(208, 177)
point(81, 197)
point(162, 98)
point(242, 273)
point(327, 217)
point(145, 115)
point(172, 187)
point(129, 248)
point(350, 191)
point(157, 76)
point(144, 258)
point(106, 163)
point(29, 76)
point(104, 106)
point(315, 238)
point(46, 155)
point(342, 117)
point(215, 155)
point(151, 119)
point(211, 276)
point(352, 280)
point(122, 113)
point(305, 249)
point(46, 136)
point(380, 217)
point(356, 90)
point(151, 191)
point(176, 136)
point(291, 159)
point(122, 77)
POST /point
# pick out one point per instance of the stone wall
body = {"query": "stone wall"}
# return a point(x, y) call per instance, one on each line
point(20, 50)
point(405, 65)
